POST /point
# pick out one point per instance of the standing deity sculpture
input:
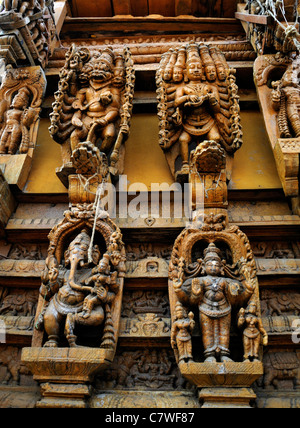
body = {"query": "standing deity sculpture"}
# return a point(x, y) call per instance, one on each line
point(92, 108)
point(197, 101)
point(215, 295)
point(286, 100)
point(21, 95)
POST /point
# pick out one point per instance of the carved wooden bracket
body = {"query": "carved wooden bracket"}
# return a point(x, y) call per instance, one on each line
point(213, 269)
point(276, 78)
point(96, 89)
point(27, 33)
point(270, 27)
point(21, 94)
point(81, 295)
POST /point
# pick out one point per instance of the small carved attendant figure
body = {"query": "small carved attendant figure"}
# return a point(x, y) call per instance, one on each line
point(181, 338)
point(103, 280)
point(19, 118)
point(253, 330)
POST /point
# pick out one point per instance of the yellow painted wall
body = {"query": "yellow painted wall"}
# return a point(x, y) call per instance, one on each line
point(254, 165)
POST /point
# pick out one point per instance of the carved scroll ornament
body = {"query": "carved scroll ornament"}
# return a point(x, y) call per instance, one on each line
point(197, 101)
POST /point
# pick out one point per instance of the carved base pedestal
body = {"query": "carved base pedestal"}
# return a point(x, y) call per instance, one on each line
point(287, 159)
point(223, 384)
point(16, 169)
point(226, 398)
point(65, 374)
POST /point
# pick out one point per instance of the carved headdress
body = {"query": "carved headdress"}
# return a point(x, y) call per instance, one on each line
point(212, 253)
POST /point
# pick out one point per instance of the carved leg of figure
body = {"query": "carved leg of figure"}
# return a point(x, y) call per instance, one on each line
point(185, 351)
point(256, 345)
point(79, 135)
point(15, 141)
point(3, 144)
point(52, 321)
point(214, 134)
point(108, 138)
point(247, 348)
point(69, 330)
point(208, 337)
point(224, 338)
point(184, 141)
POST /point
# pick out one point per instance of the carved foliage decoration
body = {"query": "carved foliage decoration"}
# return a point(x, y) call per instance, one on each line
point(27, 31)
point(197, 101)
point(21, 97)
point(93, 105)
point(213, 275)
point(82, 284)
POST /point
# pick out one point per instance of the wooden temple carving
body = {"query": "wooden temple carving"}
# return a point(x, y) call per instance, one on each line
point(197, 101)
point(22, 92)
point(92, 109)
point(28, 32)
point(21, 95)
point(79, 309)
point(278, 87)
point(271, 26)
point(213, 284)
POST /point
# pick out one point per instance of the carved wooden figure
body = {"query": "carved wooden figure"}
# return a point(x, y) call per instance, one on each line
point(78, 315)
point(213, 274)
point(21, 95)
point(83, 291)
point(197, 101)
point(181, 338)
point(280, 104)
point(29, 27)
point(93, 105)
point(249, 319)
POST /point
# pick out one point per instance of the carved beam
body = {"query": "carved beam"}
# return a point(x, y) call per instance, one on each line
point(255, 19)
